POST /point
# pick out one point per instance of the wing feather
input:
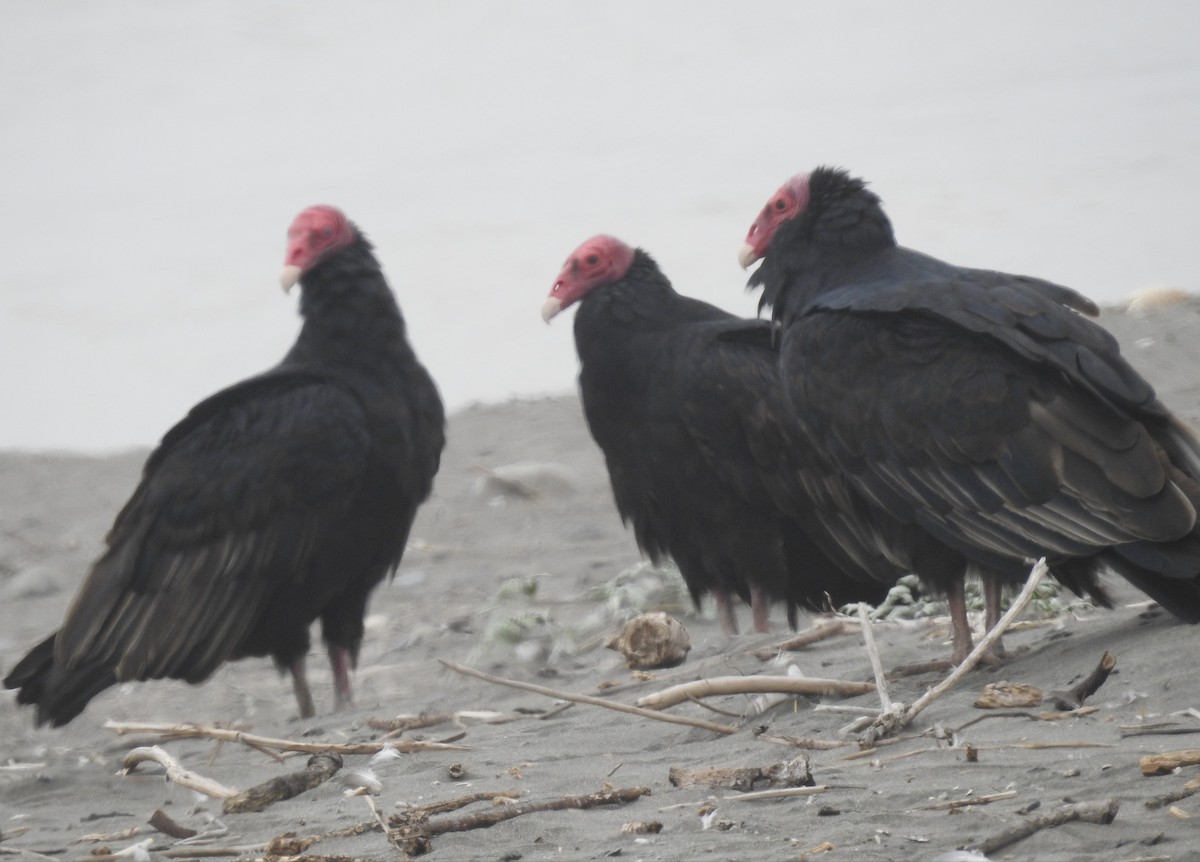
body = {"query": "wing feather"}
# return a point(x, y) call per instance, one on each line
point(228, 512)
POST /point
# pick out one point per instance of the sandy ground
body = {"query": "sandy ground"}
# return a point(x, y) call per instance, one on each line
point(453, 598)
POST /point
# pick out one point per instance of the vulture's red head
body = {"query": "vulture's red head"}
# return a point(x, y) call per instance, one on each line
point(785, 204)
point(315, 234)
point(601, 260)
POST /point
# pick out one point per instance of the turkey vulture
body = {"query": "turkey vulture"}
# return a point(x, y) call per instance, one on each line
point(683, 399)
point(959, 418)
point(280, 500)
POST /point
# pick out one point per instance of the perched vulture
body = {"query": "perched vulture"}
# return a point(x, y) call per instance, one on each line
point(683, 399)
point(280, 500)
point(957, 418)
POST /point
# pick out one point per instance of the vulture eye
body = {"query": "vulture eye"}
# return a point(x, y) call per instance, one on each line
point(327, 231)
point(780, 204)
point(592, 259)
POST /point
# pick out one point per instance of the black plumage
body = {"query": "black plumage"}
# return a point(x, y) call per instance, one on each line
point(283, 499)
point(959, 418)
point(684, 399)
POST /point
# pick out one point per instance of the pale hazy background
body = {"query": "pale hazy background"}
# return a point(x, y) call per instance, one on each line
point(153, 153)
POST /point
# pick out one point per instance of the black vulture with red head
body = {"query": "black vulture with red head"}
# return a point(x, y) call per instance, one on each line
point(684, 401)
point(958, 419)
point(281, 500)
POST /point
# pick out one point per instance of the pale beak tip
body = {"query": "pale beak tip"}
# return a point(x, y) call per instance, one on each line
point(551, 307)
point(747, 255)
point(289, 277)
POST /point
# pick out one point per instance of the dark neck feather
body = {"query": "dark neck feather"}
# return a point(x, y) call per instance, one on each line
point(350, 314)
point(842, 226)
point(634, 302)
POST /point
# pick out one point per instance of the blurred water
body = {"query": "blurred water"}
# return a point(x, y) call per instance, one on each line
point(153, 154)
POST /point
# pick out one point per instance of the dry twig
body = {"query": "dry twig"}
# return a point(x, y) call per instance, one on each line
point(811, 743)
point(864, 619)
point(583, 698)
point(1162, 728)
point(1168, 761)
point(721, 685)
point(780, 793)
point(411, 830)
point(1074, 697)
point(320, 768)
point(819, 632)
point(201, 731)
point(176, 773)
point(901, 716)
point(1088, 812)
point(1174, 796)
point(792, 773)
point(986, 799)
point(161, 821)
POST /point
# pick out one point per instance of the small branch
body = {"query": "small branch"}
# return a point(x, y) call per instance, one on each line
point(1164, 728)
point(161, 821)
point(320, 768)
point(583, 698)
point(753, 685)
point(1101, 812)
point(1074, 697)
point(900, 716)
point(198, 731)
point(410, 831)
point(793, 773)
point(779, 793)
point(808, 742)
point(821, 631)
point(176, 773)
point(1168, 762)
point(864, 618)
point(1174, 796)
point(971, 800)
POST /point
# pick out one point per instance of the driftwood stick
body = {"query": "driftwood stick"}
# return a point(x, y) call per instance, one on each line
point(779, 793)
point(811, 743)
point(422, 812)
point(1174, 796)
point(161, 821)
point(971, 800)
point(864, 618)
point(1074, 697)
point(484, 819)
point(319, 769)
point(1101, 812)
point(411, 832)
point(901, 716)
point(176, 773)
point(199, 731)
point(1164, 728)
point(1168, 761)
point(819, 632)
point(796, 772)
point(583, 698)
point(753, 685)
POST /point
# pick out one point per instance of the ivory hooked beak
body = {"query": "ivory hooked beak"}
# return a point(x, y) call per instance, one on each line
point(551, 307)
point(747, 255)
point(289, 277)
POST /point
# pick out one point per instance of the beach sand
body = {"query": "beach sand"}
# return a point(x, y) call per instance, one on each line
point(456, 596)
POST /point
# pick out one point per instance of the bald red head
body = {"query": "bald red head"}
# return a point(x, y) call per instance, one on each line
point(785, 204)
point(600, 260)
point(314, 234)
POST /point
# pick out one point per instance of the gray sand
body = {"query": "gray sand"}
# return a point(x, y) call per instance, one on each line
point(447, 601)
